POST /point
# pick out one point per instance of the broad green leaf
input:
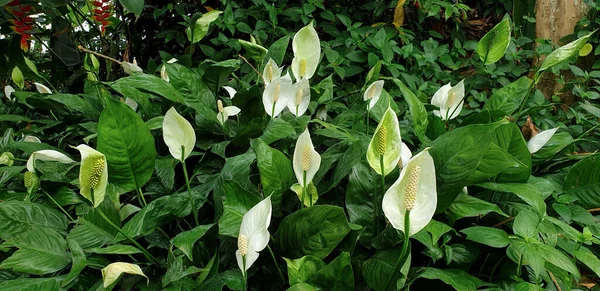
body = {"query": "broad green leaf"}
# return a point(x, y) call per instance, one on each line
point(177, 271)
point(198, 30)
point(185, 240)
point(17, 218)
point(31, 66)
point(275, 172)
point(115, 250)
point(493, 237)
point(231, 278)
point(302, 269)
point(557, 143)
point(75, 103)
point(302, 287)
point(526, 224)
point(277, 129)
point(277, 49)
point(41, 251)
point(564, 52)
point(373, 74)
point(458, 279)
point(31, 284)
point(193, 89)
point(557, 258)
point(378, 269)
point(135, 6)
point(583, 182)
point(337, 275)
point(92, 230)
point(217, 74)
point(588, 258)
point(469, 206)
point(526, 191)
point(313, 231)
point(237, 202)
point(128, 145)
point(494, 43)
point(79, 262)
point(417, 111)
point(508, 98)
point(255, 51)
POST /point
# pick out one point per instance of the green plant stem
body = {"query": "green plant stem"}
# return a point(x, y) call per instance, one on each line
point(368, 117)
point(273, 110)
point(404, 253)
point(303, 189)
point(297, 110)
point(531, 86)
point(244, 273)
point(140, 247)
point(141, 195)
point(187, 184)
point(61, 208)
point(276, 264)
point(588, 131)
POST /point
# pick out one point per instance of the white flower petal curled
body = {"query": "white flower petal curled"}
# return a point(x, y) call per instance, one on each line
point(279, 92)
point(373, 93)
point(47, 155)
point(254, 234)
point(306, 159)
point(540, 139)
point(307, 51)
point(8, 90)
point(42, 89)
point(300, 100)
point(178, 132)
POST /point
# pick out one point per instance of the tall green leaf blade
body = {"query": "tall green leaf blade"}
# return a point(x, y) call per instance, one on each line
point(17, 217)
point(493, 44)
point(458, 279)
point(135, 6)
point(237, 202)
point(417, 111)
point(31, 284)
point(126, 141)
point(583, 181)
point(302, 269)
point(275, 172)
point(361, 197)
point(185, 240)
point(564, 52)
point(508, 98)
point(337, 275)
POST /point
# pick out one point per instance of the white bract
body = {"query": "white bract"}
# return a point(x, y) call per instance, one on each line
point(373, 93)
point(405, 156)
point(271, 72)
point(306, 160)
point(8, 90)
point(42, 89)
point(47, 155)
point(540, 139)
point(298, 104)
point(230, 91)
point(277, 95)
point(163, 70)
point(414, 191)
point(386, 143)
point(93, 174)
point(178, 133)
point(254, 234)
point(449, 100)
point(111, 273)
point(131, 68)
point(226, 112)
point(31, 138)
point(307, 51)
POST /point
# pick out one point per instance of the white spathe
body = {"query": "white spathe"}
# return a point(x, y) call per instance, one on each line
point(540, 139)
point(178, 132)
point(373, 93)
point(111, 273)
point(230, 91)
point(254, 234)
point(271, 72)
point(449, 99)
point(47, 155)
point(8, 90)
point(300, 100)
point(279, 92)
point(307, 52)
point(306, 159)
point(425, 199)
point(42, 89)
point(405, 155)
point(93, 167)
point(227, 112)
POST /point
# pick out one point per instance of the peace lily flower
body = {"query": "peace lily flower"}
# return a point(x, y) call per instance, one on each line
point(230, 91)
point(93, 174)
point(42, 89)
point(178, 134)
point(311, 191)
point(307, 51)
point(47, 155)
point(131, 103)
point(131, 68)
point(414, 192)
point(31, 138)
point(8, 90)
point(163, 70)
point(113, 271)
point(385, 148)
point(373, 93)
point(449, 100)
point(226, 112)
point(254, 234)
point(306, 161)
point(277, 95)
point(540, 139)
point(405, 156)
point(271, 72)
point(298, 104)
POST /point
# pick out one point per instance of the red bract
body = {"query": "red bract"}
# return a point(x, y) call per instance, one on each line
point(97, 3)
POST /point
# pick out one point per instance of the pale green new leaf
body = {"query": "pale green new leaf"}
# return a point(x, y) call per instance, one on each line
point(493, 44)
point(199, 30)
point(386, 142)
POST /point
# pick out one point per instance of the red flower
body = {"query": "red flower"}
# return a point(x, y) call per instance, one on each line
point(97, 3)
point(24, 42)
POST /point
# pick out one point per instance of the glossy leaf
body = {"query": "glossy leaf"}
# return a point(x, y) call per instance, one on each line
point(494, 43)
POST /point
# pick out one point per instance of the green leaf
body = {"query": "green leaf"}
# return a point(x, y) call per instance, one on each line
point(75, 103)
point(41, 251)
point(135, 6)
point(527, 192)
point(558, 259)
point(417, 111)
point(17, 218)
point(277, 49)
point(161, 211)
point(493, 237)
point(185, 240)
point(469, 206)
point(275, 172)
point(337, 275)
point(277, 129)
point(588, 258)
point(302, 269)
point(79, 262)
point(458, 279)
point(128, 145)
point(508, 98)
point(31, 66)
point(313, 231)
point(31, 284)
point(583, 182)
point(302, 287)
point(255, 51)
point(378, 269)
point(493, 44)
point(363, 184)
point(237, 202)
point(17, 77)
point(557, 143)
point(198, 30)
point(526, 224)
point(230, 278)
point(564, 52)
point(92, 230)
point(195, 91)
point(115, 250)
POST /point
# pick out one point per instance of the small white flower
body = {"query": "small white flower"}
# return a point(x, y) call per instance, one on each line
point(307, 51)
point(277, 95)
point(230, 91)
point(449, 99)
point(225, 112)
point(163, 70)
point(178, 133)
point(306, 159)
point(300, 100)
point(93, 174)
point(8, 90)
point(47, 155)
point(112, 272)
point(373, 93)
point(31, 138)
point(405, 155)
point(42, 89)
point(540, 139)
point(271, 72)
point(254, 233)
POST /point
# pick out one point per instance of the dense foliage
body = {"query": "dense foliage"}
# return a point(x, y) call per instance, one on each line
point(321, 145)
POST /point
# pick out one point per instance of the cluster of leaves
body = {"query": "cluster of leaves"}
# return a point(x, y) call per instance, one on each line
point(526, 221)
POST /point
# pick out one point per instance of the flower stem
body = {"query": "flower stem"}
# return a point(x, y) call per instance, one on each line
point(141, 195)
point(368, 117)
point(297, 110)
point(273, 110)
point(244, 273)
point(187, 184)
point(61, 208)
point(303, 189)
point(276, 264)
point(405, 250)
